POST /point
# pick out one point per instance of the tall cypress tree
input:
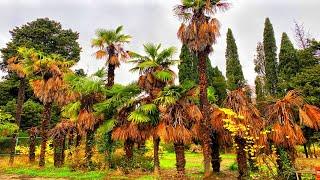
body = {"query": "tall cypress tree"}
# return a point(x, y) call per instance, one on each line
point(288, 63)
point(235, 78)
point(270, 50)
point(188, 71)
point(260, 69)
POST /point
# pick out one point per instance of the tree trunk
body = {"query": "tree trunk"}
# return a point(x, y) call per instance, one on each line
point(305, 150)
point(204, 108)
point(128, 148)
point(180, 159)
point(88, 149)
point(242, 158)
point(32, 145)
point(156, 143)
point(215, 153)
point(46, 116)
point(57, 154)
point(63, 149)
point(111, 69)
point(19, 109)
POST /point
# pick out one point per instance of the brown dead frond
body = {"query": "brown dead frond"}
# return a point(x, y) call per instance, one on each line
point(310, 116)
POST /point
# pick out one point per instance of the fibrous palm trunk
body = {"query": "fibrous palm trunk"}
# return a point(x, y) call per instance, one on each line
point(215, 153)
point(128, 148)
point(19, 109)
point(180, 159)
point(58, 151)
point(46, 116)
point(156, 161)
point(241, 158)
point(204, 108)
point(32, 145)
point(88, 149)
point(111, 69)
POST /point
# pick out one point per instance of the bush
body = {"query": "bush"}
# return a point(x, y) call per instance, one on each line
point(143, 163)
point(233, 166)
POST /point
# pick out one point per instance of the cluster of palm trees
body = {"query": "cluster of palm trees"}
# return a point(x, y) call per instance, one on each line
point(153, 107)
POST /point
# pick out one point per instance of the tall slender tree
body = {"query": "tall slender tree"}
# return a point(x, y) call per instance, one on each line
point(235, 78)
point(270, 51)
point(260, 69)
point(288, 64)
point(199, 31)
point(110, 44)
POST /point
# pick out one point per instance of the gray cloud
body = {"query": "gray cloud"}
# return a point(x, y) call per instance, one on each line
point(153, 21)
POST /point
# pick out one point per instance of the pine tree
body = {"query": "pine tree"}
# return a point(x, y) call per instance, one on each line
point(235, 78)
point(260, 69)
point(188, 71)
point(288, 63)
point(270, 50)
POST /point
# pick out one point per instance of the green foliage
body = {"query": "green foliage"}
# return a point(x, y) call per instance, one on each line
point(109, 37)
point(143, 163)
point(288, 64)
point(71, 110)
point(235, 78)
point(188, 71)
point(31, 114)
point(45, 35)
point(7, 127)
point(270, 50)
point(145, 113)
point(233, 166)
point(308, 82)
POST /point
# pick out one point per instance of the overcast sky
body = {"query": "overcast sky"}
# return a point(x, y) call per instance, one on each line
point(154, 21)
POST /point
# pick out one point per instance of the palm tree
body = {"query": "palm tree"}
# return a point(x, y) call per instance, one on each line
point(46, 78)
point(179, 116)
point(286, 131)
point(239, 102)
point(199, 31)
point(90, 91)
point(12, 66)
point(155, 74)
point(110, 44)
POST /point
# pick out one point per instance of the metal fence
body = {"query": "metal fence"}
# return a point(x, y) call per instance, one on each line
point(6, 144)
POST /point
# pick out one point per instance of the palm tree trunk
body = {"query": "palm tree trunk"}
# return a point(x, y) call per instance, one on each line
point(89, 146)
point(215, 153)
point(204, 108)
point(241, 158)
point(57, 155)
point(305, 150)
point(111, 69)
point(46, 116)
point(32, 144)
point(128, 148)
point(180, 159)
point(21, 94)
point(156, 161)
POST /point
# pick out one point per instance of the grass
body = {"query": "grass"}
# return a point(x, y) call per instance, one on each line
point(194, 169)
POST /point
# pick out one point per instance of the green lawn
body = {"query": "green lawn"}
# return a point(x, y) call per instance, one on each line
point(167, 161)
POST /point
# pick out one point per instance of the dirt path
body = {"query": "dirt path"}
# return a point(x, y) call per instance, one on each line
point(22, 177)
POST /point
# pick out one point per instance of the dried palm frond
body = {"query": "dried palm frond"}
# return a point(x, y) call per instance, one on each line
point(310, 116)
point(62, 128)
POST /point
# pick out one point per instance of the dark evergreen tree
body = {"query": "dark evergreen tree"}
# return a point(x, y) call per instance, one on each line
point(270, 51)
point(260, 69)
point(288, 64)
point(188, 71)
point(235, 78)
point(188, 67)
